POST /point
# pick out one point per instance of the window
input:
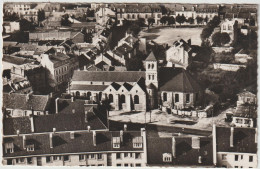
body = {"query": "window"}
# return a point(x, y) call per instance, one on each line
point(236, 166)
point(176, 98)
point(116, 142)
point(29, 160)
point(9, 162)
point(99, 156)
point(81, 157)
point(92, 156)
point(111, 99)
point(66, 158)
point(138, 142)
point(118, 155)
point(122, 98)
point(167, 157)
point(165, 97)
point(137, 155)
point(187, 98)
point(100, 165)
point(236, 157)
point(56, 158)
point(126, 165)
point(138, 165)
point(241, 157)
point(224, 157)
point(30, 147)
point(125, 154)
point(9, 147)
point(136, 99)
point(149, 77)
point(118, 165)
point(250, 158)
point(152, 66)
point(149, 66)
point(48, 159)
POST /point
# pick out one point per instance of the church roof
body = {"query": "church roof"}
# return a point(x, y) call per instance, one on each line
point(151, 57)
point(177, 80)
point(108, 76)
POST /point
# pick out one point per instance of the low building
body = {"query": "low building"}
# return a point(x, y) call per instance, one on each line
point(10, 27)
point(245, 116)
point(228, 67)
point(247, 97)
point(103, 14)
point(242, 56)
point(235, 147)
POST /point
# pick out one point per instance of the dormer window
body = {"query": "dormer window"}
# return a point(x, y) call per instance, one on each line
point(116, 142)
point(30, 147)
point(138, 142)
point(167, 157)
point(9, 147)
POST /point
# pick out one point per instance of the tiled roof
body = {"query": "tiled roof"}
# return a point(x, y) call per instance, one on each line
point(178, 80)
point(19, 101)
point(151, 57)
point(11, 125)
point(185, 154)
point(63, 143)
point(88, 87)
point(108, 76)
point(244, 140)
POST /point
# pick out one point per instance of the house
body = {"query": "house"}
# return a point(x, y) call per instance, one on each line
point(64, 115)
point(103, 14)
point(247, 97)
point(10, 27)
point(245, 116)
point(77, 148)
point(137, 90)
point(135, 11)
point(51, 22)
point(60, 67)
point(235, 147)
point(179, 55)
point(230, 27)
point(17, 85)
point(18, 105)
point(242, 56)
point(179, 151)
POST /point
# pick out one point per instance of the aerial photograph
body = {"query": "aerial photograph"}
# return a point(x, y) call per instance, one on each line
point(129, 84)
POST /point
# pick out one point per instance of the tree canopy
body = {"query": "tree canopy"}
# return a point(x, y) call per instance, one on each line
point(180, 19)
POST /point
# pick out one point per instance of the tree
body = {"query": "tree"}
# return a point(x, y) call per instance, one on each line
point(252, 21)
point(225, 38)
point(141, 22)
point(216, 38)
point(171, 20)
point(163, 20)
point(26, 25)
point(199, 20)
point(151, 21)
point(191, 20)
point(180, 19)
point(206, 19)
point(206, 32)
point(41, 15)
point(134, 29)
point(65, 20)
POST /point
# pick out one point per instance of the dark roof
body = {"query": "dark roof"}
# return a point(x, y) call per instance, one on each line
point(178, 80)
point(16, 60)
point(88, 87)
point(244, 140)
point(151, 57)
point(127, 86)
point(108, 76)
point(11, 125)
point(184, 44)
point(116, 86)
point(185, 154)
point(7, 88)
point(25, 101)
point(82, 142)
point(248, 111)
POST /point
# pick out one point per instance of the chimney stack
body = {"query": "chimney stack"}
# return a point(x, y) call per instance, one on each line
point(51, 143)
point(86, 116)
point(32, 123)
point(125, 127)
point(173, 147)
point(54, 130)
point(72, 99)
point(121, 135)
point(195, 143)
point(214, 144)
point(18, 132)
point(73, 111)
point(199, 160)
point(94, 138)
point(88, 128)
point(24, 142)
point(57, 105)
point(85, 67)
point(27, 97)
point(72, 135)
point(232, 137)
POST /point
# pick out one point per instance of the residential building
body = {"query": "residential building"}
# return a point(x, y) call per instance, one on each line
point(103, 15)
point(18, 105)
point(247, 97)
point(10, 27)
point(245, 116)
point(79, 148)
point(242, 56)
point(179, 55)
point(235, 147)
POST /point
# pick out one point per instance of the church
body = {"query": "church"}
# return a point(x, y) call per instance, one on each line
point(138, 90)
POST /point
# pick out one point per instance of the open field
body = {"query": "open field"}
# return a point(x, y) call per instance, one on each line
point(170, 34)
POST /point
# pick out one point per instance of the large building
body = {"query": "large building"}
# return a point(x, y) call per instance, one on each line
point(138, 90)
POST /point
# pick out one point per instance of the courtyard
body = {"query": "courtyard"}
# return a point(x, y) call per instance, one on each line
point(170, 34)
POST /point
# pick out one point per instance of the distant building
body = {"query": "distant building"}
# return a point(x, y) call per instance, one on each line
point(235, 147)
point(11, 27)
point(103, 15)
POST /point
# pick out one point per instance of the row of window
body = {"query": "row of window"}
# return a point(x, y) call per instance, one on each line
point(229, 27)
point(128, 155)
point(128, 165)
point(128, 16)
point(61, 70)
point(238, 157)
point(246, 121)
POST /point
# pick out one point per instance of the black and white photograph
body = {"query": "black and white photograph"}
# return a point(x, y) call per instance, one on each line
point(129, 84)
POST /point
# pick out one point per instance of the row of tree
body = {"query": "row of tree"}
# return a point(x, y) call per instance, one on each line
point(211, 25)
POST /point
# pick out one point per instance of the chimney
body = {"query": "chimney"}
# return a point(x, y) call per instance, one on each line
point(73, 111)
point(72, 135)
point(88, 128)
point(24, 142)
point(232, 137)
point(199, 160)
point(51, 143)
point(57, 105)
point(214, 144)
point(121, 136)
point(27, 97)
point(94, 138)
point(18, 132)
point(50, 95)
point(256, 134)
point(173, 147)
point(85, 67)
point(54, 130)
point(86, 116)
point(32, 123)
point(195, 144)
point(125, 127)
point(72, 99)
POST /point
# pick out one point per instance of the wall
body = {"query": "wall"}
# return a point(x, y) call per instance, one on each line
point(228, 67)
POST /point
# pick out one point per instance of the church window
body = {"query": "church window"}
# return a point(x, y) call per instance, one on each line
point(152, 66)
point(122, 98)
point(149, 77)
point(164, 96)
point(110, 98)
point(149, 66)
point(136, 99)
